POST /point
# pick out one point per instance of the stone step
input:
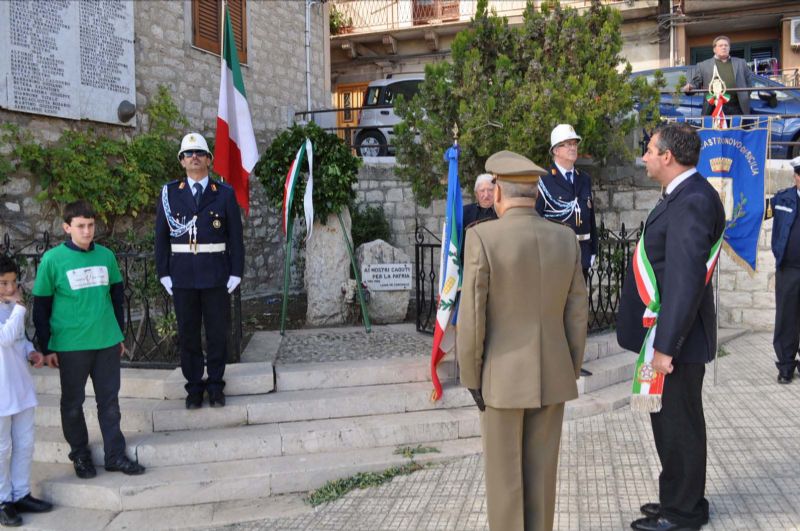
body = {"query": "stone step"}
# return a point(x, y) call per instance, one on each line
point(137, 413)
point(330, 374)
point(288, 438)
point(334, 374)
point(227, 481)
point(240, 379)
point(142, 415)
point(607, 371)
point(597, 402)
point(201, 516)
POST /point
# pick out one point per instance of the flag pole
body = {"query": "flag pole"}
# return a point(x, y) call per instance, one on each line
point(364, 312)
point(287, 265)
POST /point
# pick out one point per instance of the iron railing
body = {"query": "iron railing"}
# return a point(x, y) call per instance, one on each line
point(150, 325)
point(604, 283)
point(369, 16)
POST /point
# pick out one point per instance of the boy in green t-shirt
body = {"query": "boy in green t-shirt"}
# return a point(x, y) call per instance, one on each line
point(79, 318)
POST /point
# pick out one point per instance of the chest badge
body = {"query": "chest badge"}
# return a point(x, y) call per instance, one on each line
point(216, 224)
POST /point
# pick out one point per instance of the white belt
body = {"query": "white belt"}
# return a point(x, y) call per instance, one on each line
point(581, 237)
point(198, 248)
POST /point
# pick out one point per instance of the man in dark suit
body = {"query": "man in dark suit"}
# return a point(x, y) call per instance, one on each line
point(565, 194)
point(200, 259)
point(680, 233)
point(733, 71)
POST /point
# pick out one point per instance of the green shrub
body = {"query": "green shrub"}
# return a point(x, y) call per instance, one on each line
point(369, 223)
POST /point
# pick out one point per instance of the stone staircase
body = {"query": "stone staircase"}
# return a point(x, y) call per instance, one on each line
point(285, 429)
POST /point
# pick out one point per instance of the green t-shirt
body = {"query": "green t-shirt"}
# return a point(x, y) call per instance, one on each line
point(79, 282)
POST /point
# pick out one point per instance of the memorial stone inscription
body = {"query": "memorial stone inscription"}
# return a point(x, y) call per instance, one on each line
point(68, 58)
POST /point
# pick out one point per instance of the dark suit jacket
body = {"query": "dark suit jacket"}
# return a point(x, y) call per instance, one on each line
point(704, 71)
point(679, 234)
point(473, 212)
point(218, 221)
point(559, 188)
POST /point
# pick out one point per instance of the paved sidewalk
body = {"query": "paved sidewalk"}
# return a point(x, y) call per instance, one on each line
point(608, 466)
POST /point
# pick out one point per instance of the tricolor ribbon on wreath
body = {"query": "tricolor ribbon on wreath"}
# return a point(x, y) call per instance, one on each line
point(717, 98)
point(647, 384)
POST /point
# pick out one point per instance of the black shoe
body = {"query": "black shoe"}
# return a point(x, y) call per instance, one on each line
point(29, 504)
point(659, 524)
point(651, 510)
point(194, 401)
point(126, 466)
point(9, 516)
point(785, 377)
point(84, 468)
point(216, 399)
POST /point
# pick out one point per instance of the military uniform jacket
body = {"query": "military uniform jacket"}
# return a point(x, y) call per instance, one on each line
point(523, 313)
point(581, 222)
point(218, 221)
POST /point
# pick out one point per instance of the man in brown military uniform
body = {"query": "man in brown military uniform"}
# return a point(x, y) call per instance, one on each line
point(522, 332)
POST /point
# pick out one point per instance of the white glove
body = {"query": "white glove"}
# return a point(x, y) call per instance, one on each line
point(167, 283)
point(591, 260)
point(233, 282)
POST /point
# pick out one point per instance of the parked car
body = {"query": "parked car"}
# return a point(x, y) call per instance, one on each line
point(762, 102)
point(375, 134)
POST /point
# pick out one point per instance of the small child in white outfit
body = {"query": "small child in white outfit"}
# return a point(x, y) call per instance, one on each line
point(17, 403)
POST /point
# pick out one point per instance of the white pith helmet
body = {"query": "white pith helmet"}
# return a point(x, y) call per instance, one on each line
point(194, 141)
point(562, 133)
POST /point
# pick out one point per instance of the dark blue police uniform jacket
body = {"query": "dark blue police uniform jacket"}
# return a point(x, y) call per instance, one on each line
point(218, 221)
point(784, 211)
point(561, 189)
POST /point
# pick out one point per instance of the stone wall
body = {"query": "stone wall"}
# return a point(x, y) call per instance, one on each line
point(623, 194)
point(274, 78)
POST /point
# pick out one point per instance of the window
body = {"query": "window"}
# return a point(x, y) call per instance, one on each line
point(207, 25)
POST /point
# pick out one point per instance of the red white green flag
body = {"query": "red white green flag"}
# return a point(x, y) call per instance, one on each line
point(235, 152)
point(289, 186)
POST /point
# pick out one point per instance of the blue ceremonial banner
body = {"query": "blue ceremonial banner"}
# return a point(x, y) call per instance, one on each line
point(734, 162)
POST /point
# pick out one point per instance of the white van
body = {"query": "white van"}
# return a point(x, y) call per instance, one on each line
point(375, 134)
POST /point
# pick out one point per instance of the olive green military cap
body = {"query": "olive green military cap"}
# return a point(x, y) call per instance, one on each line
point(510, 166)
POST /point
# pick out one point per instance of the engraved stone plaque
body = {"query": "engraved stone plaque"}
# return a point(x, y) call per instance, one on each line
point(68, 58)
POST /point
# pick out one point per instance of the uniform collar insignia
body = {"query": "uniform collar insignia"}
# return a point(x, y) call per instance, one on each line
point(182, 185)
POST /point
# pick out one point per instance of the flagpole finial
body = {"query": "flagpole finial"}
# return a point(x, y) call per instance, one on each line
point(455, 133)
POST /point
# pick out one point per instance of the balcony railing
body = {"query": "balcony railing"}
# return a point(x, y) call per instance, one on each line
point(369, 16)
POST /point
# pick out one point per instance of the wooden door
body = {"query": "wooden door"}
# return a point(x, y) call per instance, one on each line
point(348, 99)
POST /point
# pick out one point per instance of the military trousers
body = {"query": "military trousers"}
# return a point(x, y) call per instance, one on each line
point(520, 454)
point(210, 307)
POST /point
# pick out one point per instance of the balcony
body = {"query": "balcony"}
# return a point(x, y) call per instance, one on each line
point(381, 16)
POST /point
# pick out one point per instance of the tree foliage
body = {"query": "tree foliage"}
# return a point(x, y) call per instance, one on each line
point(507, 87)
point(335, 170)
point(117, 176)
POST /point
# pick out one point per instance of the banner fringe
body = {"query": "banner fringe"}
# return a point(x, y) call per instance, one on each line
point(646, 403)
point(737, 259)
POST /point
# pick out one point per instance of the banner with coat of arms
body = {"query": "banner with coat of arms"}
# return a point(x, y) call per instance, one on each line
point(734, 162)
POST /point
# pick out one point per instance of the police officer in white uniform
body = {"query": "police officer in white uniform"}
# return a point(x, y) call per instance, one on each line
point(200, 260)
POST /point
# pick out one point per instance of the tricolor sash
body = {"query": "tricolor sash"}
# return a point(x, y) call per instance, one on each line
point(647, 384)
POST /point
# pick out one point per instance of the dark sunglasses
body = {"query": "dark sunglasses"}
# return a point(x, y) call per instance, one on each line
point(192, 152)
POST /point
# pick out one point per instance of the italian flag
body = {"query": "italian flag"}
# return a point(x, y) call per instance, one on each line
point(235, 153)
point(450, 272)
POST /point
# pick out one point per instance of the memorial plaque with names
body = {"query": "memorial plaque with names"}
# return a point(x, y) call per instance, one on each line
point(386, 277)
point(67, 58)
